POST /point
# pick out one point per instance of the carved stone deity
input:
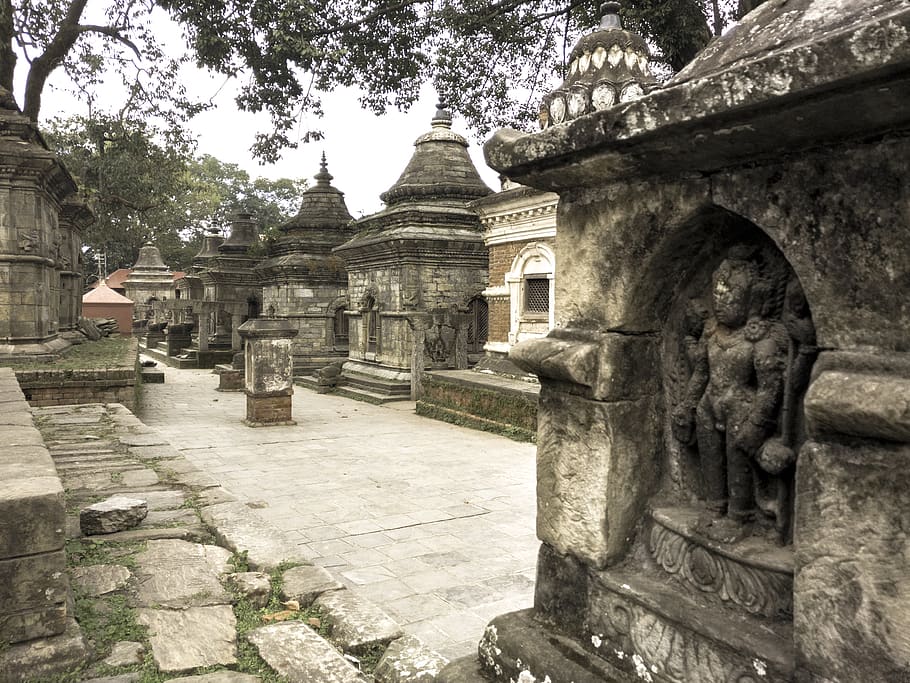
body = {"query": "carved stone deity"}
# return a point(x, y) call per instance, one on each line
point(748, 365)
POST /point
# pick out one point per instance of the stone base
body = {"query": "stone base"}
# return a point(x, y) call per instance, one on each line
point(34, 351)
point(44, 658)
point(517, 642)
point(229, 379)
point(268, 411)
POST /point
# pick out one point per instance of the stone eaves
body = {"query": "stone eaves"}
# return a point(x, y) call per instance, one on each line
point(798, 96)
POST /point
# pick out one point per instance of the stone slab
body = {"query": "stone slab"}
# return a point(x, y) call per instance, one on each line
point(125, 653)
point(32, 515)
point(254, 586)
point(238, 528)
point(117, 513)
point(177, 574)
point(183, 640)
point(299, 654)
point(408, 659)
point(357, 623)
point(220, 677)
point(306, 583)
point(99, 579)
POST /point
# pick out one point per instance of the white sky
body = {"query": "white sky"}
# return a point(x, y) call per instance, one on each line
point(365, 153)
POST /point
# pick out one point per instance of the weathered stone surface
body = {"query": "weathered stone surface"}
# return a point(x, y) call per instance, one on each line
point(296, 652)
point(851, 587)
point(408, 659)
point(220, 677)
point(858, 404)
point(117, 513)
point(186, 639)
point(595, 464)
point(238, 528)
point(255, 586)
point(307, 583)
point(175, 573)
point(99, 579)
point(31, 515)
point(45, 657)
point(357, 623)
point(122, 678)
point(33, 593)
point(125, 653)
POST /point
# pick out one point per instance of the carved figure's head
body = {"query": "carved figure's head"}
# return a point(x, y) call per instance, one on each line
point(733, 283)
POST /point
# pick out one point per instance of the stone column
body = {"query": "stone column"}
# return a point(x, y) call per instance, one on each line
point(205, 329)
point(269, 371)
point(419, 323)
point(236, 322)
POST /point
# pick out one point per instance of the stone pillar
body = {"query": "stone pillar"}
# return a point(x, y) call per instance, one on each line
point(236, 322)
point(461, 340)
point(269, 371)
point(205, 329)
point(419, 323)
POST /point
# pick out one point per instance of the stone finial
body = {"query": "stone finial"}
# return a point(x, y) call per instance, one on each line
point(323, 177)
point(149, 258)
point(606, 67)
point(443, 117)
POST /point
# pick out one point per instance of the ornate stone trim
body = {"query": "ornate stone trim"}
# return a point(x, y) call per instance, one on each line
point(756, 587)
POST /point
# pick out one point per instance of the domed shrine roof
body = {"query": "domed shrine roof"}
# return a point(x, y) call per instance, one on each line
point(322, 206)
point(440, 168)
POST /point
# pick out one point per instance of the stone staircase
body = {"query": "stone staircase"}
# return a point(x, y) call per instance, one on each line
point(189, 357)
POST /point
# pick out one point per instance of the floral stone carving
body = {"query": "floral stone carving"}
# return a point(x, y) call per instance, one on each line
point(752, 575)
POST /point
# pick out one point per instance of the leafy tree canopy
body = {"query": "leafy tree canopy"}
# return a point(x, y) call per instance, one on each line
point(490, 59)
point(145, 184)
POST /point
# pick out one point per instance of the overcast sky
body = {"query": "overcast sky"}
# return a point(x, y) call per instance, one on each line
point(365, 153)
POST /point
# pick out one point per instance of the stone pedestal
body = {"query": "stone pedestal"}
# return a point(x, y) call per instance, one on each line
point(269, 371)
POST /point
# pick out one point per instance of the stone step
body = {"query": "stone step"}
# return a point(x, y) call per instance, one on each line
point(367, 383)
point(299, 654)
point(366, 395)
point(357, 624)
point(240, 529)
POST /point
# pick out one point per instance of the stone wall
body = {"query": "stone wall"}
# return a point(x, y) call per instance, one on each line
point(33, 578)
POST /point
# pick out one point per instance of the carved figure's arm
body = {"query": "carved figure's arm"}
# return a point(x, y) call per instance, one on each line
point(698, 380)
point(770, 364)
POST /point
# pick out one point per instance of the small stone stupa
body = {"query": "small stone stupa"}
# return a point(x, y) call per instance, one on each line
point(149, 280)
point(304, 282)
point(414, 267)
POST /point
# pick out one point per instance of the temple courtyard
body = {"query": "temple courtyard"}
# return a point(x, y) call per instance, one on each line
point(432, 522)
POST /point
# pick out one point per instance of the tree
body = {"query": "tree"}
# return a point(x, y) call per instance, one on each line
point(144, 184)
point(478, 53)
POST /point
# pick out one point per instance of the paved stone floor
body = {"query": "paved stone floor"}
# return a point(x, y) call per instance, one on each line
point(432, 522)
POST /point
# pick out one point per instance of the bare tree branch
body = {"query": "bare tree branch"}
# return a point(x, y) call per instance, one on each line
point(111, 32)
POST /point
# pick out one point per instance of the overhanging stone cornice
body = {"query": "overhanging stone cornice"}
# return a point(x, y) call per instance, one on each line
point(794, 99)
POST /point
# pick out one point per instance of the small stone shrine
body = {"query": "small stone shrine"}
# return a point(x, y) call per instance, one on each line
point(39, 259)
point(303, 282)
point(723, 468)
point(416, 270)
point(149, 281)
point(232, 293)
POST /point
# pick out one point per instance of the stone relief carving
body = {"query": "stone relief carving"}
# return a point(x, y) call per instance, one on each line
point(659, 650)
point(757, 589)
point(747, 352)
point(28, 241)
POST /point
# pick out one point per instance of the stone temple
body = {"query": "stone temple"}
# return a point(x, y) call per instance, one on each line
point(723, 458)
point(416, 269)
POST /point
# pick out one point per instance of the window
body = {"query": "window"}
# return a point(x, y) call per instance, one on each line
point(340, 327)
point(537, 295)
point(478, 324)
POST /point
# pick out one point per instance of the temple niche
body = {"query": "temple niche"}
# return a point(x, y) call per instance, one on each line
point(723, 471)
